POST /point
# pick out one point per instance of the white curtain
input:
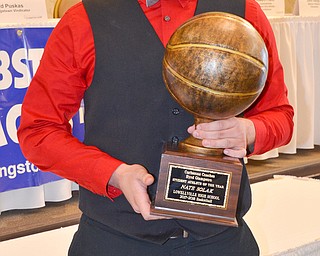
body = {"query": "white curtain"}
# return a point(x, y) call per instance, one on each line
point(298, 42)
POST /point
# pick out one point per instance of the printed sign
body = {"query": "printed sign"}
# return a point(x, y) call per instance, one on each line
point(15, 11)
point(197, 186)
point(309, 7)
point(272, 7)
point(20, 53)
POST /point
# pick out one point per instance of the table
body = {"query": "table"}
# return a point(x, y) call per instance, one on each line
point(284, 219)
point(51, 243)
point(284, 216)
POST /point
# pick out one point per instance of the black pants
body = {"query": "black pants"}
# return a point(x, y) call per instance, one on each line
point(93, 239)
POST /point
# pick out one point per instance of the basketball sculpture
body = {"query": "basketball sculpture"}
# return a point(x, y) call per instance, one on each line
point(215, 66)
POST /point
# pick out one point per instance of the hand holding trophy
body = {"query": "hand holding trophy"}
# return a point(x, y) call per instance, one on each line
point(215, 66)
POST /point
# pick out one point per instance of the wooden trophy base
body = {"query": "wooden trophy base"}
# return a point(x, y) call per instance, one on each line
point(198, 187)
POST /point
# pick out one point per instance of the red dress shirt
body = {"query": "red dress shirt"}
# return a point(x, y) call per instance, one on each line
point(66, 71)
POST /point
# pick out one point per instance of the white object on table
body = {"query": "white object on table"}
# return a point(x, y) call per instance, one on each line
point(285, 216)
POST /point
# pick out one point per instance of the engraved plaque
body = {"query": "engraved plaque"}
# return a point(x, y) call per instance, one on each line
point(198, 187)
point(194, 185)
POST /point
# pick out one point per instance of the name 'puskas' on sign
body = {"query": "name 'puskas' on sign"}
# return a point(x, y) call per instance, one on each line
point(18, 11)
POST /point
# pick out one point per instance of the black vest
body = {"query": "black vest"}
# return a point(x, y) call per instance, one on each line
point(130, 115)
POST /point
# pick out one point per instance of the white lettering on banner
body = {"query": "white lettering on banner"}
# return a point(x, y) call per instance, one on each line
point(11, 171)
point(11, 124)
point(12, 116)
point(35, 56)
point(3, 140)
point(20, 82)
point(22, 68)
point(11, 127)
point(6, 81)
point(22, 60)
point(81, 114)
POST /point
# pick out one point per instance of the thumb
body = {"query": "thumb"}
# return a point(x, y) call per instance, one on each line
point(191, 129)
point(147, 179)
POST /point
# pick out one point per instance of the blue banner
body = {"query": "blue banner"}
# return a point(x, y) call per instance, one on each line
point(20, 53)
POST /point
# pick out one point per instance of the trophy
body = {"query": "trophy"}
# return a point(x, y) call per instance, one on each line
point(215, 66)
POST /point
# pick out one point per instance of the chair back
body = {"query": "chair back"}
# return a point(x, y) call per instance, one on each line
point(61, 6)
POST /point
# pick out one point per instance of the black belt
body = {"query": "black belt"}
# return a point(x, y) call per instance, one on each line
point(180, 233)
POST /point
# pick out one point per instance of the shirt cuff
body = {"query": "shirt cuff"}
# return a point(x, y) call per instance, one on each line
point(104, 168)
point(113, 192)
point(261, 134)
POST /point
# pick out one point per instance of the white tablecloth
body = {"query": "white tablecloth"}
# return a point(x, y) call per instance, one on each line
point(35, 197)
point(298, 42)
point(50, 243)
point(285, 216)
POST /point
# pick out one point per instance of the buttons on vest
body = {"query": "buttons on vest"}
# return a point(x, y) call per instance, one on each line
point(166, 18)
point(175, 140)
point(175, 111)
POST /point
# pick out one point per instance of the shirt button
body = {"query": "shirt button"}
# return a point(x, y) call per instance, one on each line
point(175, 140)
point(167, 18)
point(175, 111)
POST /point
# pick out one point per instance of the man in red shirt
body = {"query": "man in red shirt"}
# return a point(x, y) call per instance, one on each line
point(107, 53)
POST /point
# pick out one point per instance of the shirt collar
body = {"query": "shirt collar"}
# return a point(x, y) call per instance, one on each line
point(149, 3)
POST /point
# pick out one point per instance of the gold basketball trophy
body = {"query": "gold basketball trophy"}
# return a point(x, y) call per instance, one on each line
point(215, 66)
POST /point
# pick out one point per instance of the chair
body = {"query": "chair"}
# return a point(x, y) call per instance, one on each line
point(61, 6)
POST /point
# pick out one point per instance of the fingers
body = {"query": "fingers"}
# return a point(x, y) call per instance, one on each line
point(229, 134)
point(133, 180)
point(147, 179)
point(141, 201)
point(191, 129)
point(221, 142)
point(217, 126)
point(237, 153)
